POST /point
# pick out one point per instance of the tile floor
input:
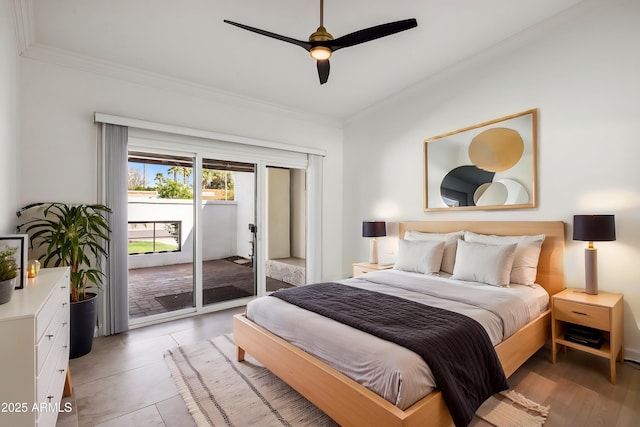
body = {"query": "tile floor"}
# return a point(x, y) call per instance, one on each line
point(125, 381)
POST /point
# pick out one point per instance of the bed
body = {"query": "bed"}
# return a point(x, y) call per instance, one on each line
point(350, 403)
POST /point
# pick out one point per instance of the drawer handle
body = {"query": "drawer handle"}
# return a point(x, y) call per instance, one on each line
point(50, 398)
point(580, 313)
point(64, 303)
point(65, 346)
point(63, 287)
point(64, 323)
point(49, 336)
point(61, 371)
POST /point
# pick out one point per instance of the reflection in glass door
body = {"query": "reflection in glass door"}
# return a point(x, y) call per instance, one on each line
point(228, 230)
point(160, 234)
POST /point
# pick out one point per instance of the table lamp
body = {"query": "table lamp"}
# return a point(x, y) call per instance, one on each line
point(373, 229)
point(593, 228)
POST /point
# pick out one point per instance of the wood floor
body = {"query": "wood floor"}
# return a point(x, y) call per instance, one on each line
point(578, 390)
point(124, 381)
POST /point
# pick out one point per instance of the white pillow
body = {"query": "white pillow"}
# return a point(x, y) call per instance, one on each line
point(484, 263)
point(525, 263)
point(450, 244)
point(419, 256)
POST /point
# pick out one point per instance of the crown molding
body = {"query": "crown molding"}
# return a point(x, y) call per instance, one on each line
point(23, 20)
point(68, 59)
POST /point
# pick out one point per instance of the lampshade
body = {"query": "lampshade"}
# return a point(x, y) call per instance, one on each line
point(374, 229)
point(594, 228)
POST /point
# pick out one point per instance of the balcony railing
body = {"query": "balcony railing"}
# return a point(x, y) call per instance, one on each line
point(148, 237)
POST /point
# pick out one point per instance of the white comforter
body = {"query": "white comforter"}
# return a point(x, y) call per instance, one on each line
point(395, 373)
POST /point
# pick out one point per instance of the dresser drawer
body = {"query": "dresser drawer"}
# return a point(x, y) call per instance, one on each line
point(55, 328)
point(55, 389)
point(582, 314)
point(59, 297)
point(54, 366)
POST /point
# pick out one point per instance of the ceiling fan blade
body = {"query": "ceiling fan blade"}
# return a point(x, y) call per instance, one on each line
point(303, 44)
point(373, 33)
point(323, 70)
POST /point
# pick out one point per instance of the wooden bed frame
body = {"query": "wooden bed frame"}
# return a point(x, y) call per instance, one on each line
point(351, 404)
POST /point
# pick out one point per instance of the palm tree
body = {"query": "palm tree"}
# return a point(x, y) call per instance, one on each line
point(174, 170)
point(186, 173)
point(208, 175)
point(159, 177)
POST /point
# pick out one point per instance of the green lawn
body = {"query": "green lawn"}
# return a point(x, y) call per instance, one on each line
point(141, 246)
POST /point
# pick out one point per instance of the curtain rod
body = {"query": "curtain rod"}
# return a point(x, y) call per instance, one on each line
point(199, 133)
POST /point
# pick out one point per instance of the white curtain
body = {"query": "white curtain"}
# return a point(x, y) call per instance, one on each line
point(114, 195)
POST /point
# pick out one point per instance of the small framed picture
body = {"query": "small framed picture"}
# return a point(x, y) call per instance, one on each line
point(19, 242)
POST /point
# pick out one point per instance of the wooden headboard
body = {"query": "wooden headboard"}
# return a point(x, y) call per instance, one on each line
point(551, 263)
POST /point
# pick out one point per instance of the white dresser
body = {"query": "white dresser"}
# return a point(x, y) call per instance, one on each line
point(34, 350)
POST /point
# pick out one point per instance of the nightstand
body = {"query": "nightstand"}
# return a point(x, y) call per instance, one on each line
point(360, 268)
point(603, 311)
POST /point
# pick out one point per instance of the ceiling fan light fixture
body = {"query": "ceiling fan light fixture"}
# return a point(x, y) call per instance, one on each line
point(321, 43)
point(320, 52)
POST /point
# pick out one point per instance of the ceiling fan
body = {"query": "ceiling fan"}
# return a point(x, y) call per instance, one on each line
point(321, 44)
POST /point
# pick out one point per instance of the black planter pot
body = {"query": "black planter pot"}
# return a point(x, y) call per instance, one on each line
point(82, 325)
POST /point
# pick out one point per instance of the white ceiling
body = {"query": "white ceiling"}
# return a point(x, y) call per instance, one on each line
point(187, 40)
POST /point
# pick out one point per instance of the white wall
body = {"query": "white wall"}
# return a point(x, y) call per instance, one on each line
point(298, 213)
point(58, 138)
point(219, 219)
point(581, 72)
point(9, 176)
point(278, 201)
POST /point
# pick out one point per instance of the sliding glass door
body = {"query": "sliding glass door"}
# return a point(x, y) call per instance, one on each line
point(228, 218)
point(191, 233)
point(194, 196)
point(203, 224)
point(161, 233)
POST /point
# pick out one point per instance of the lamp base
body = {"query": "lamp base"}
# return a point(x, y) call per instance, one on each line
point(591, 270)
point(373, 251)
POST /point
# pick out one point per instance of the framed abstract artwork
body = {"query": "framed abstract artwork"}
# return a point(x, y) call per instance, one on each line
point(491, 165)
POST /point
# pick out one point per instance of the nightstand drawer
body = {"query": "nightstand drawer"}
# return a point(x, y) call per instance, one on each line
point(582, 314)
point(360, 268)
point(358, 271)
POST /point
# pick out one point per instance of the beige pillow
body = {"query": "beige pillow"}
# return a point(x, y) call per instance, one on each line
point(484, 263)
point(419, 256)
point(525, 262)
point(450, 244)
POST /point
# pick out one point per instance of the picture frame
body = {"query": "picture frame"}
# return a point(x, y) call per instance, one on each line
point(490, 165)
point(21, 243)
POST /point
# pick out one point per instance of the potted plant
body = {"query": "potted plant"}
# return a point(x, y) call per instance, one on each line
point(73, 235)
point(8, 274)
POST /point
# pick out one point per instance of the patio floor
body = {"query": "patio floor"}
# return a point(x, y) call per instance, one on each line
point(156, 290)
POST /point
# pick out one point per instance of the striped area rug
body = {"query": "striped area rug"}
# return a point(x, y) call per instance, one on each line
point(219, 391)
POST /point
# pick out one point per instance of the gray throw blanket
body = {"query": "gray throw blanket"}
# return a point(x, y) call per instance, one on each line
point(456, 347)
